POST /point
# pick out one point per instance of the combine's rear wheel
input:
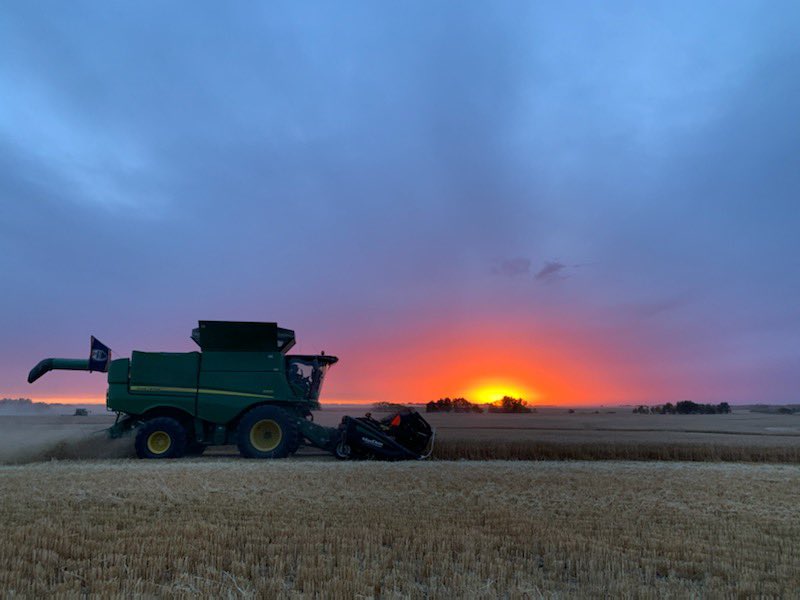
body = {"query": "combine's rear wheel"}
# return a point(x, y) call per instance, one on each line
point(266, 432)
point(162, 437)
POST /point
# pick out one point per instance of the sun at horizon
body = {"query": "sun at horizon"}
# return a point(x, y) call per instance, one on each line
point(487, 391)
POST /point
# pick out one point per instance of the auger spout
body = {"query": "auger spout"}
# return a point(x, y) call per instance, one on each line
point(50, 364)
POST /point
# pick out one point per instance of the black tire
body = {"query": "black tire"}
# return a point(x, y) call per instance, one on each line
point(294, 446)
point(162, 437)
point(195, 449)
point(343, 451)
point(298, 441)
point(266, 432)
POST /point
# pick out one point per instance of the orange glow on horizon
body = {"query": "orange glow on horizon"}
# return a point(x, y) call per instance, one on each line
point(68, 399)
point(543, 365)
point(481, 366)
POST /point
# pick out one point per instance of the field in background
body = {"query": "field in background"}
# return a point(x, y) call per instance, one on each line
point(592, 434)
point(587, 435)
point(227, 527)
point(549, 434)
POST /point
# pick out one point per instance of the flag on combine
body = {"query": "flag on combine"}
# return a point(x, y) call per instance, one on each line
point(99, 356)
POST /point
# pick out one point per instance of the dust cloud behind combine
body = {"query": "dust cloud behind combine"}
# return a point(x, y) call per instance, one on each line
point(26, 439)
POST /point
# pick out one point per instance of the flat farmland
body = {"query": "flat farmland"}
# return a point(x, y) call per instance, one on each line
point(551, 424)
point(231, 528)
point(95, 522)
point(548, 434)
point(612, 434)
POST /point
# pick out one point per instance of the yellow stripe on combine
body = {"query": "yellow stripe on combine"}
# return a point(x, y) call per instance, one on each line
point(181, 390)
point(153, 388)
point(224, 393)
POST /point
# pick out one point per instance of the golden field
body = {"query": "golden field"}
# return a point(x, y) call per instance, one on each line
point(230, 528)
point(617, 434)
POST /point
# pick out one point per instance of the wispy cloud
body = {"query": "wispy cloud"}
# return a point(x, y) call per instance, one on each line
point(512, 267)
point(551, 272)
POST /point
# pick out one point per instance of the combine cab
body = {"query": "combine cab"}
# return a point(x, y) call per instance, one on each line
point(241, 388)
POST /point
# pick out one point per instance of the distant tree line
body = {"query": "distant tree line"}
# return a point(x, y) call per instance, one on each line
point(24, 404)
point(461, 405)
point(389, 407)
point(776, 410)
point(684, 407)
point(17, 402)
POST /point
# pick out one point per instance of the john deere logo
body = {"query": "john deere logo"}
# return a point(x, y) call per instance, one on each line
point(99, 355)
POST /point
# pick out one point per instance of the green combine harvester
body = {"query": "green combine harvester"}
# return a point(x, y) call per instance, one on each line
point(242, 388)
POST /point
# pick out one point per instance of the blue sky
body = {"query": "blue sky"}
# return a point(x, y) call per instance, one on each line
point(609, 189)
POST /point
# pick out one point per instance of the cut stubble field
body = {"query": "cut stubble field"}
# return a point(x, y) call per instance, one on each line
point(226, 527)
point(311, 526)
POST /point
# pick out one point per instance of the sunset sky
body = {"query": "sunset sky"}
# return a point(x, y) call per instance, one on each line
point(577, 202)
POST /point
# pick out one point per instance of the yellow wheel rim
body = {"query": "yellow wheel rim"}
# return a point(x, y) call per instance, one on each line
point(265, 435)
point(159, 442)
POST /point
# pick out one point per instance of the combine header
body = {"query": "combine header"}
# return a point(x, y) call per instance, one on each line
point(242, 388)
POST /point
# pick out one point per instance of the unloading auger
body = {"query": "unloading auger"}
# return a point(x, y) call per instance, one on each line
point(242, 388)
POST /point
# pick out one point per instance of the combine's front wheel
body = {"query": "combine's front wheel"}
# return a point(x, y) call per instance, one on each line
point(195, 449)
point(162, 437)
point(266, 432)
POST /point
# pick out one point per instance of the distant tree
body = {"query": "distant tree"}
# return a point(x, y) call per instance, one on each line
point(441, 405)
point(464, 405)
point(687, 407)
point(511, 405)
point(461, 405)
